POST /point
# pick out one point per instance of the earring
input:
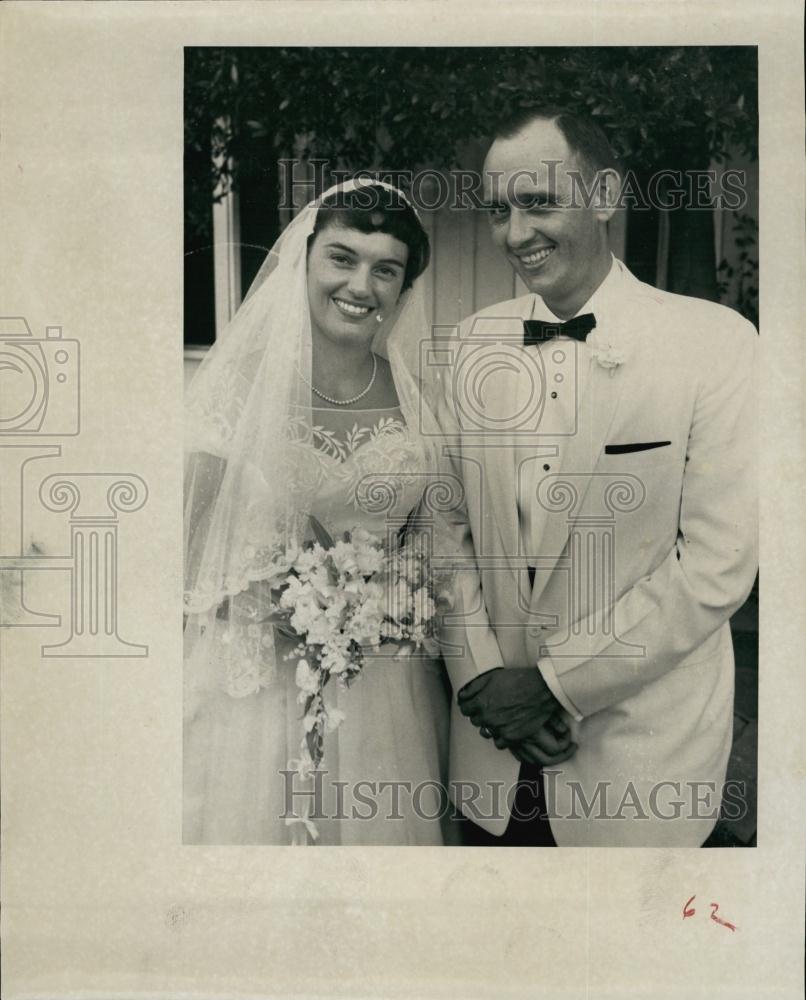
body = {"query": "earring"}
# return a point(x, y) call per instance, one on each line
point(378, 318)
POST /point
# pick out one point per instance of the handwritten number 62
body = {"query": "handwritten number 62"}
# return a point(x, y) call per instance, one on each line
point(689, 911)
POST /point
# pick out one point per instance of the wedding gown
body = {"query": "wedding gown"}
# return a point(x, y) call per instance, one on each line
point(385, 767)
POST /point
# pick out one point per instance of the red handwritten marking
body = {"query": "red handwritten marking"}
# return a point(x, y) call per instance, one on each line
point(689, 911)
point(719, 920)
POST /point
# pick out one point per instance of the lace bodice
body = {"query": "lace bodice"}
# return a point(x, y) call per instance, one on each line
point(362, 467)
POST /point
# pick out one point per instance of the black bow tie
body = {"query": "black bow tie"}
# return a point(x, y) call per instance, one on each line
point(537, 331)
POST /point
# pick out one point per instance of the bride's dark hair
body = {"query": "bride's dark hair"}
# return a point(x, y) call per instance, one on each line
point(372, 208)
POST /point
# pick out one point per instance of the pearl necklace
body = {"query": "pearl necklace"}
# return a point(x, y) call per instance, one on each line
point(344, 402)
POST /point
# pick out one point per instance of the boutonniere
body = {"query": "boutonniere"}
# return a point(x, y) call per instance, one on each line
point(605, 352)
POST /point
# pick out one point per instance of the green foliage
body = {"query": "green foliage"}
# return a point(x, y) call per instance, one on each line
point(738, 281)
point(403, 108)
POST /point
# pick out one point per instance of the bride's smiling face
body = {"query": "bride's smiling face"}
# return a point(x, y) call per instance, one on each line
point(353, 277)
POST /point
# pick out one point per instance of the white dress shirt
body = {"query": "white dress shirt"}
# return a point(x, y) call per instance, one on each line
point(567, 362)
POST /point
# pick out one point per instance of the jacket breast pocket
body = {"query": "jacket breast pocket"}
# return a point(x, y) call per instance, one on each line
point(639, 452)
point(633, 447)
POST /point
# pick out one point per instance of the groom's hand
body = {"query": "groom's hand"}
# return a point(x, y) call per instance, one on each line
point(551, 746)
point(513, 704)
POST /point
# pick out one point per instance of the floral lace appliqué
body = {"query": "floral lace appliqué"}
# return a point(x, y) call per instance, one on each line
point(373, 466)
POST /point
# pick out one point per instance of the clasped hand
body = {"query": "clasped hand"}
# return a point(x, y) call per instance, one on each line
point(515, 708)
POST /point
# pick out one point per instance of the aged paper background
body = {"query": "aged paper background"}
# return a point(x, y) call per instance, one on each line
point(99, 896)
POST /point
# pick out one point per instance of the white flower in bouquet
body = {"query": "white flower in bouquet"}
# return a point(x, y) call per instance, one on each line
point(399, 604)
point(362, 538)
point(424, 609)
point(364, 626)
point(369, 553)
point(318, 629)
point(320, 580)
point(296, 592)
point(335, 658)
point(307, 680)
point(342, 598)
point(334, 719)
point(344, 559)
point(351, 588)
point(309, 559)
point(371, 591)
point(306, 615)
point(302, 600)
point(336, 610)
point(370, 560)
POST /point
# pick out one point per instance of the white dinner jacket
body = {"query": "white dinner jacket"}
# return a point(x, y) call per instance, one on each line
point(642, 554)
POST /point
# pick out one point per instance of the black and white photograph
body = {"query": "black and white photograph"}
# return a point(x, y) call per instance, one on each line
point(401, 445)
point(471, 486)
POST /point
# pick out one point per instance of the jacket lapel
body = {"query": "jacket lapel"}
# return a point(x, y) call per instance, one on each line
point(577, 466)
point(580, 455)
point(499, 453)
point(499, 450)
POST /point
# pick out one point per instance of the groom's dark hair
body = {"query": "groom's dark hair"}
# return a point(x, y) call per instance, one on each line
point(585, 138)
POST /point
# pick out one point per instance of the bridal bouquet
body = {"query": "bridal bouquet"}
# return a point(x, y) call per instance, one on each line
point(341, 598)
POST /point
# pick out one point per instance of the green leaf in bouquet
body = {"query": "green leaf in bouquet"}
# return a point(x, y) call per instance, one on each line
point(315, 746)
point(320, 533)
point(285, 629)
point(275, 613)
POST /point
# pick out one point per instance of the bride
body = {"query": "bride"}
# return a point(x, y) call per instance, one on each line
point(311, 403)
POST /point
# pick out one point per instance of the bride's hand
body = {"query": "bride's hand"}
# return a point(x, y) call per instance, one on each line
point(544, 749)
point(551, 744)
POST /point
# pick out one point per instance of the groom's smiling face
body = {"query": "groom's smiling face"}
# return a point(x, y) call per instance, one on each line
point(558, 248)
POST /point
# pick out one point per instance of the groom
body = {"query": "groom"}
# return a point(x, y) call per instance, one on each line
point(602, 431)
